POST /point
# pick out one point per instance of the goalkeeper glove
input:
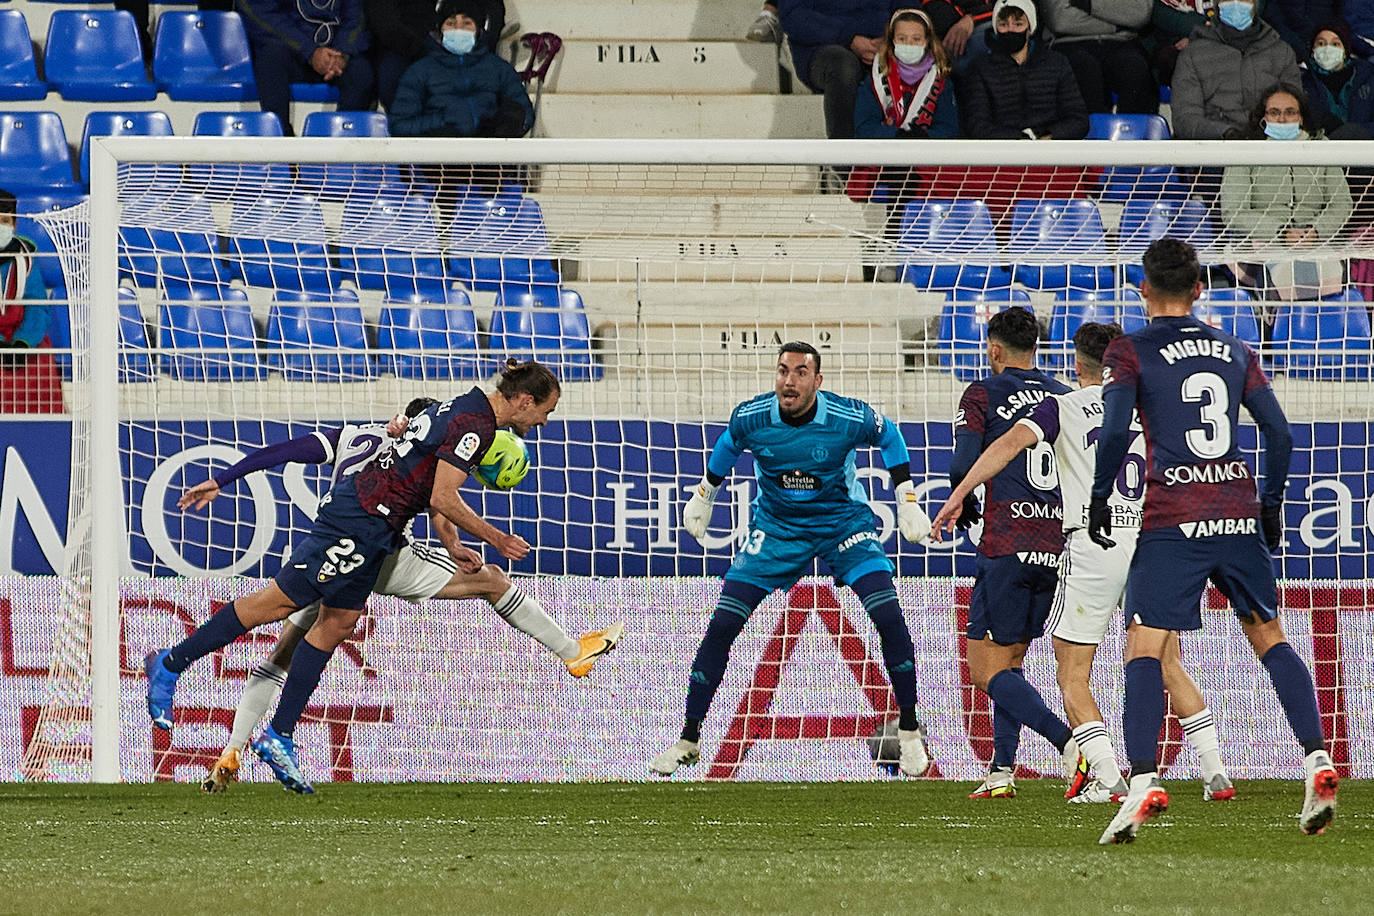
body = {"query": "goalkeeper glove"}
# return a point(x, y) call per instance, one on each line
point(696, 515)
point(970, 514)
point(1271, 521)
point(913, 522)
point(1100, 523)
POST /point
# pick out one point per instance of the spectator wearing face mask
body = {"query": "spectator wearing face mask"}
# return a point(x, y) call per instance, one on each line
point(1339, 87)
point(399, 32)
point(909, 94)
point(29, 381)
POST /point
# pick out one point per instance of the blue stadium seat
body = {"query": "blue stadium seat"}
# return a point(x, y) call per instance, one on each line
point(1229, 308)
point(1143, 221)
point(964, 327)
point(134, 364)
point(186, 254)
point(318, 336)
point(278, 241)
point(548, 324)
point(442, 328)
point(1120, 183)
point(117, 124)
point(60, 329)
point(46, 257)
point(1329, 341)
point(1077, 306)
point(18, 70)
point(95, 56)
point(1054, 244)
point(389, 241)
point(346, 178)
point(202, 56)
point(248, 176)
point(207, 334)
point(501, 240)
point(34, 158)
point(314, 93)
point(949, 244)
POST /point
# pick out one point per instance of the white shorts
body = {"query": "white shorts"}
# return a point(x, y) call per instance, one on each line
point(415, 572)
point(1092, 582)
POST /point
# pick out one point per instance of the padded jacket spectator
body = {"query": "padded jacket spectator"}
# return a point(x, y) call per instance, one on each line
point(336, 24)
point(1110, 20)
point(1259, 202)
point(451, 95)
point(1352, 103)
point(812, 24)
point(999, 99)
point(1221, 75)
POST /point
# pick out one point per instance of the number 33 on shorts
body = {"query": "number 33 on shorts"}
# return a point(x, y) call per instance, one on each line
point(342, 559)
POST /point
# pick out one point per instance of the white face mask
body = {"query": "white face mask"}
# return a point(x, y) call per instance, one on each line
point(1329, 57)
point(6, 235)
point(909, 54)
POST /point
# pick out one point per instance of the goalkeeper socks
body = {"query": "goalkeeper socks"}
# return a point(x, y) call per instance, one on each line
point(528, 616)
point(306, 667)
point(709, 665)
point(263, 683)
point(1297, 696)
point(1009, 689)
point(880, 601)
point(216, 633)
point(1144, 713)
point(1006, 738)
point(1202, 736)
point(1096, 747)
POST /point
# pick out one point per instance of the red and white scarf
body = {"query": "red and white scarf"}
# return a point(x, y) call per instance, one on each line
point(903, 110)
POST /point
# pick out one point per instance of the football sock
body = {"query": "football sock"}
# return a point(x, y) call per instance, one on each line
point(880, 601)
point(691, 730)
point(1009, 689)
point(1096, 747)
point(306, 667)
point(528, 616)
point(1201, 734)
point(906, 719)
point(263, 683)
point(216, 633)
point(1006, 738)
point(1144, 714)
point(1297, 696)
point(737, 602)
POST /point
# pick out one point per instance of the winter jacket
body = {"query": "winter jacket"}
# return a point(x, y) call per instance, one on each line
point(1296, 21)
point(1360, 15)
point(813, 24)
point(23, 298)
point(1001, 99)
point(1119, 20)
point(1171, 20)
point(1260, 202)
point(447, 95)
point(1352, 104)
point(336, 24)
point(1221, 75)
point(868, 117)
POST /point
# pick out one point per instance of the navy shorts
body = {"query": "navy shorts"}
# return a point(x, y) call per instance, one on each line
point(1169, 573)
point(1011, 599)
point(338, 562)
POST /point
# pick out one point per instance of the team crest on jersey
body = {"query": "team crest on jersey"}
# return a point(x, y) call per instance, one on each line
point(467, 446)
point(820, 453)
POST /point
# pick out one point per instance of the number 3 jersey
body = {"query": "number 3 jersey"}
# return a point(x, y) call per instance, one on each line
point(1190, 380)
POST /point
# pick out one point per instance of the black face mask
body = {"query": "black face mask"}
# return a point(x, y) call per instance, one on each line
point(1005, 42)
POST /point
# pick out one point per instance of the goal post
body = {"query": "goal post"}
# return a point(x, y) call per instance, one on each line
point(687, 263)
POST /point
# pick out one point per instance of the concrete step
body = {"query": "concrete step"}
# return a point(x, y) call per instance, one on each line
point(639, 216)
point(621, 65)
point(682, 116)
point(715, 20)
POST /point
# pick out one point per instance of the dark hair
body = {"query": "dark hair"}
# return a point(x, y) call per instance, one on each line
point(529, 377)
point(1171, 266)
point(419, 406)
point(8, 205)
point(1015, 328)
point(1091, 339)
point(1254, 128)
point(801, 346)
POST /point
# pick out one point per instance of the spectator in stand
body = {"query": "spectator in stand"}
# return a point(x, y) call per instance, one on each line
point(1296, 20)
point(961, 25)
point(1171, 22)
point(315, 42)
point(29, 381)
point(399, 30)
point(1101, 40)
point(833, 43)
point(1339, 87)
point(766, 26)
point(909, 94)
point(1224, 70)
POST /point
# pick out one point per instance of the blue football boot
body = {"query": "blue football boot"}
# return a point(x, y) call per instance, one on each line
point(280, 756)
point(162, 684)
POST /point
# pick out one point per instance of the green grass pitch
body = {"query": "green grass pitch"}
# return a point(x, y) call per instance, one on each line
point(897, 847)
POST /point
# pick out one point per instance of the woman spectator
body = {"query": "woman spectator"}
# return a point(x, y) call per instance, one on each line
point(909, 94)
point(1339, 87)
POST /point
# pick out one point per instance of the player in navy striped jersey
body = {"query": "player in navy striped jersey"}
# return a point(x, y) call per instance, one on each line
point(1202, 519)
point(1091, 582)
point(808, 506)
point(415, 572)
point(1018, 555)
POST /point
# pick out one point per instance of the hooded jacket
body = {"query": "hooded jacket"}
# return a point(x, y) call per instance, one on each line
point(450, 95)
point(1221, 75)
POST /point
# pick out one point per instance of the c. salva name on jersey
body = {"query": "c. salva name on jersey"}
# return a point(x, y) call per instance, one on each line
point(1011, 408)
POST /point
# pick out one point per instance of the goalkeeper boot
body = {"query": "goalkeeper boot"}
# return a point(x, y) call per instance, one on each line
point(1319, 805)
point(224, 771)
point(1141, 804)
point(280, 756)
point(915, 760)
point(999, 784)
point(162, 684)
point(1218, 788)
point(1076, 771)
point(682, 753)
point(592, 646)
point(1098, 793)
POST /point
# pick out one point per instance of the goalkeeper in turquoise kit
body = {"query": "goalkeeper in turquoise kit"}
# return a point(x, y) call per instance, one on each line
point(809, 506)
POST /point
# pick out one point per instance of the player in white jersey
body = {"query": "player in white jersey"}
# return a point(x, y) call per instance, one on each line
point(416, 572)
point(1091, 580)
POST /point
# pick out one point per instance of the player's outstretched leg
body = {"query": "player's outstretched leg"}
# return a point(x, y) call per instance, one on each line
point(163, 668)
point(879, 599)
point(1009, 689)
point(592, 646)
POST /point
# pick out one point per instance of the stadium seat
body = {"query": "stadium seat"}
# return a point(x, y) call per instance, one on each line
point(46, 257)
point(498, 241)
point(346, 178)
point(544, 323)
point(1054, 244)
point(95, 56)
point(314, 93)
point(1143, 221)
point(1328, 341)
point(318, 336)
point(964, 328)
point(949, 244)
point(34, 158)
point(202, 56)
point(1121, 183)
point(206, 333)
point(134, 364)
point(117, 124)
point(18, 70)
point(249, 176)
point(60, 329)
point(1075, 307)
point(442, 328)
point(185, 254)
point(278, 241)
point(389, 241)
point(1229, 308)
